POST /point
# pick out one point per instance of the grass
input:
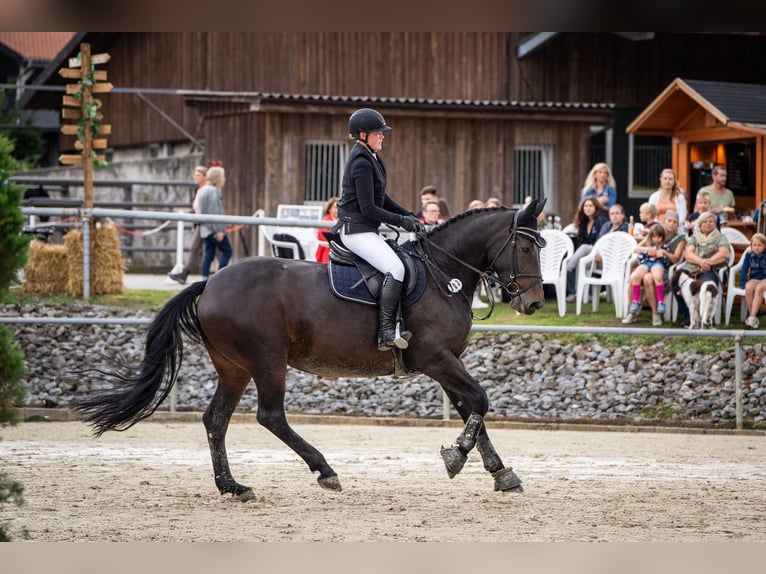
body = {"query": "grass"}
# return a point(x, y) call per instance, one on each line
point(148, 299)
point(548, 316)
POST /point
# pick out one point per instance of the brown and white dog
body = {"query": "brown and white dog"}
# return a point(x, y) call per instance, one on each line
point(700, 296)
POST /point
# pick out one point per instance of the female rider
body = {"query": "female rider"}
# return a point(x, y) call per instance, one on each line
point(363, 206)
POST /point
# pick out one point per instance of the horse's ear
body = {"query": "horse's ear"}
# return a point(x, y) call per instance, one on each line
point(534, 209)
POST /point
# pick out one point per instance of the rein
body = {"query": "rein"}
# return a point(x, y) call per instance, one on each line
point(511, 286)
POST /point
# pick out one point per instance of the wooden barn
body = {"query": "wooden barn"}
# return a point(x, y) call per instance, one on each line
point(474, 114)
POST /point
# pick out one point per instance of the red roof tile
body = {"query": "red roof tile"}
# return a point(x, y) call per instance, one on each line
point(38, 45)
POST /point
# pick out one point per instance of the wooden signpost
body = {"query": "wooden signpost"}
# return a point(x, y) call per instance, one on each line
point(80, 105)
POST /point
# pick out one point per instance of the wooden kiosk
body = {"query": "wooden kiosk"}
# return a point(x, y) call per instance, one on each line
point(713, 123)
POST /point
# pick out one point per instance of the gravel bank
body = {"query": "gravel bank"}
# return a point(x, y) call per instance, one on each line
point(527, 377)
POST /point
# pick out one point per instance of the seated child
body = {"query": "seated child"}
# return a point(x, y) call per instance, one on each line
point(652, 259)
point(701, 205)
point(647, 213)
point(752, 278)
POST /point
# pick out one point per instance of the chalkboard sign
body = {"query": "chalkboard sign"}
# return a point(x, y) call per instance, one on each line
point(740, 168)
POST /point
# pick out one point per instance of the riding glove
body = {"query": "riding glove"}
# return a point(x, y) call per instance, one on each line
point(411, 223)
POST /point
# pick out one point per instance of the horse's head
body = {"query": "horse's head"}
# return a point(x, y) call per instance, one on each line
point(515, 259)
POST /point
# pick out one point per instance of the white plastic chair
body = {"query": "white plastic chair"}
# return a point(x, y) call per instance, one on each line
point(553, 263)
point(615, 250)
point(724, 276)
point(733, 290)
point(734, 235)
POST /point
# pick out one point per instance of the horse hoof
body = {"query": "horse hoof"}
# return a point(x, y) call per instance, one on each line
point(246, 495)
point(507, 481)
point(330, 482)
point(454, 459)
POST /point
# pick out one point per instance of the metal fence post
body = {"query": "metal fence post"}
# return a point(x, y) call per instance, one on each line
point(86, 257)
point(738, 378)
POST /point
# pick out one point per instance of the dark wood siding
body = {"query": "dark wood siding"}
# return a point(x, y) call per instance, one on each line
point(605, 67)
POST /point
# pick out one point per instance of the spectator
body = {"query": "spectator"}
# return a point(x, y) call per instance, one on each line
point(707, 250)
point(475, 204)
point(670, 197)
point(647, 213)
point(588, 221)
point(676, 243)
point(428, 193)
point(600, 184)
point(616, 221)
point(431, 215)
point(701, 205)
point(652, 260)
point(444, 210)
point(752, 278)
point(195, 249)
point(721, 198)
point(213, 235)
point(330, 214)
point(493, 202)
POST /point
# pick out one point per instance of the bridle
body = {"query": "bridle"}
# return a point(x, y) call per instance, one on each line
point(511, 286)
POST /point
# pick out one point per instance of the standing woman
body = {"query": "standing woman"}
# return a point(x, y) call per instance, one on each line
point(330, 214)
point(670, 197)
point(589, 220)
point(213, 234)
point(195, 249)
point(363, 206)
point(601, 185)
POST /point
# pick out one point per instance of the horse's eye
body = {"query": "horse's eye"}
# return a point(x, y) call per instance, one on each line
point(526, 250)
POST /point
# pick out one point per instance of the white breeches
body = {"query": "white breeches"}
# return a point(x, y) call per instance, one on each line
point(373, 248)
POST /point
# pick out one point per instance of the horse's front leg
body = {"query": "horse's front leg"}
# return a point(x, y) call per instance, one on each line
point(505, 479)
point(475, 434)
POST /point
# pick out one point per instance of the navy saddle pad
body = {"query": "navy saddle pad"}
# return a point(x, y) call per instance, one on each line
point(346, 282)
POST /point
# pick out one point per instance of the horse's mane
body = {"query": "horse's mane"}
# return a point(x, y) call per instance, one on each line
point(464, 214)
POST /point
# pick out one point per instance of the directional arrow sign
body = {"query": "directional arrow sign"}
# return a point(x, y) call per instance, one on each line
point(102, 88)
point(98, 75)
point(94, 59)
point(70, 158)
point(99, 143)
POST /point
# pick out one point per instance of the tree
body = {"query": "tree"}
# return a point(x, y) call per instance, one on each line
point(13, 246)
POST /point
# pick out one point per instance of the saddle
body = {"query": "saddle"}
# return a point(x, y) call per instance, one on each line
point(353, 279)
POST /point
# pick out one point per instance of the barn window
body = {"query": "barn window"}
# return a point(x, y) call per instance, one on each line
point(533, 173)
point(324, 169)
point(647, 157)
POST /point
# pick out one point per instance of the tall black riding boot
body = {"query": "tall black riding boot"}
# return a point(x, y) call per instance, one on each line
point(388, 329)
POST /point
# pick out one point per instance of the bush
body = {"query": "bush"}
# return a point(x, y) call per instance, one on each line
point(13, 246)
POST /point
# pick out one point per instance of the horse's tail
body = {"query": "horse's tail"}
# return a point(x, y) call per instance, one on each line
point(140, 389)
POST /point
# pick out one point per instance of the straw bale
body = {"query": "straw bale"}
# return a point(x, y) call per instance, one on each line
point(46, 270)
point(106, 263)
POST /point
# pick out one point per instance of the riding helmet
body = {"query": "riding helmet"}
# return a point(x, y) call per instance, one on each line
point(366, 120)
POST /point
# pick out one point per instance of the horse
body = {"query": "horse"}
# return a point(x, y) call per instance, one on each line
point(260, 315)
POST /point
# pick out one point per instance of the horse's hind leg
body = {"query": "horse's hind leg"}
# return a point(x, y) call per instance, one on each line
point(232, 382)
point(271, 414)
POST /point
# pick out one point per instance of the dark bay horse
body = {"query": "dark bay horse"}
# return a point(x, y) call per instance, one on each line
point(261, 314)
